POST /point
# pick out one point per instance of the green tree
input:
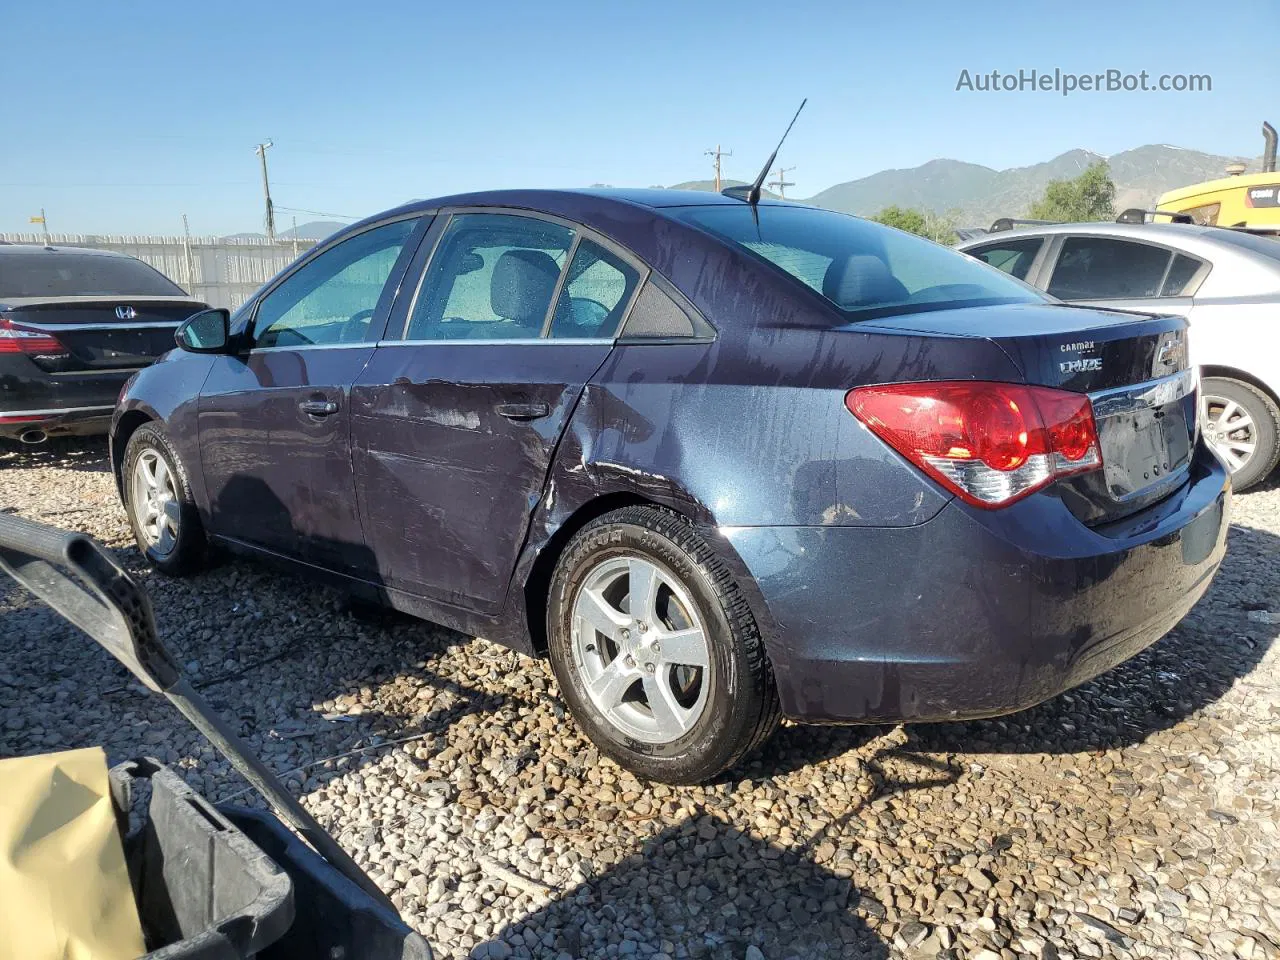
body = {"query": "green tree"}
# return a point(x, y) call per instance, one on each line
point(920, 222)
point(1090, 196)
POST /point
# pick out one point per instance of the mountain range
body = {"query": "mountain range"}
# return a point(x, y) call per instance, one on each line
point(976, 195)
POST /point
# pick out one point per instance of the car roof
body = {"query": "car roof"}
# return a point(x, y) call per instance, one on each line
point(1202, 241)
point(35, 249)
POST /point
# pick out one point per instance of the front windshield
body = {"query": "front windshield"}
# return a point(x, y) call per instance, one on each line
point(866, 269)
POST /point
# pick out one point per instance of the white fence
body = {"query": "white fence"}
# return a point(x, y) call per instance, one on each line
point(223, 272)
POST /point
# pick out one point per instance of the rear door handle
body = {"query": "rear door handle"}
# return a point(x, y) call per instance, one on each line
point(523, 411)
point(318, 408)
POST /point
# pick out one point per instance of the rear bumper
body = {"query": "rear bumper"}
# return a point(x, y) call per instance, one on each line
point(77, 421)
point(56, 403)
point(977, 613)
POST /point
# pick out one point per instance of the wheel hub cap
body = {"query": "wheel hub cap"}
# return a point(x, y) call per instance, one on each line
point(641, 649)
point(155, 502)
point(1229, 429)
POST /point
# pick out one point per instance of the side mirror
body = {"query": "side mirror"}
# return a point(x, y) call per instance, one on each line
point(208, 331)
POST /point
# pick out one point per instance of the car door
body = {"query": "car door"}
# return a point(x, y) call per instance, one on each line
point(456, 417)
point(1124, 274)
point(274, 420)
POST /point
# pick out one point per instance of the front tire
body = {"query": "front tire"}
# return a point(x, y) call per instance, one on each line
point(1242, 425)
point(157, 499)
point(655, 649)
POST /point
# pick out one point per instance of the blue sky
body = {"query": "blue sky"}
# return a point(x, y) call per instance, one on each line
point(121, 116)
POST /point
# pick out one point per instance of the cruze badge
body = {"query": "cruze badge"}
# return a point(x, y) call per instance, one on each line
point(1082, 365)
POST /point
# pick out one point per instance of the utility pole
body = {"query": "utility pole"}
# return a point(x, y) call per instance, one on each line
point(295, 238)
point(718, 153)
point(44, 224)
point(186, 256)
point(261, 151)
point(782, 182)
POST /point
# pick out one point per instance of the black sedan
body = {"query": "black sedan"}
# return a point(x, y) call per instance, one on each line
point(75, 324)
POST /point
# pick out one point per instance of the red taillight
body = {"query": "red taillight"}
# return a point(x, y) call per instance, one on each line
point(989, 443)
point(15, 338)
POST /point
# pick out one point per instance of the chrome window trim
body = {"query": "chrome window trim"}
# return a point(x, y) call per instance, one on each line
point(314, 346)
point(509, 341)
point(27, 413)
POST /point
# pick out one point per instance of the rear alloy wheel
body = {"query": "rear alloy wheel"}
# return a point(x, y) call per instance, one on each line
point(157, 498)
point(655, 649)
point(1242, 425)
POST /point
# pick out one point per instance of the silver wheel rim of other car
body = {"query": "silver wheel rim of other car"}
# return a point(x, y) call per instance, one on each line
point(155, 501)
point(641, 649)
point(1229, 429)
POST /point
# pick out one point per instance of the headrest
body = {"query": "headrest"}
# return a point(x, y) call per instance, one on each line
point(522, 284)
point(861, 280)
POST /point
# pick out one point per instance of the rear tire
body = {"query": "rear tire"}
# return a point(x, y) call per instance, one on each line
point(675, 687)
point(1242, 425)
point(157, 499)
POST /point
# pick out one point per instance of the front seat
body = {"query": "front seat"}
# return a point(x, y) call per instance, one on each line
point(861, 280)
point(521, 288)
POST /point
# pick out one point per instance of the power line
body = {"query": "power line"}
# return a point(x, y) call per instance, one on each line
point(317, 213)
point(782, 182)
point(718, 153)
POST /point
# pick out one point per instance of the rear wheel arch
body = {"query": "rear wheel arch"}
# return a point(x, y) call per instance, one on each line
point(538, 583)
point(1233, 373)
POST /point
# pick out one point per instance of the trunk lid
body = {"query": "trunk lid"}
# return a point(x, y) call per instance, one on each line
point(102, 333)
point(1135, 369)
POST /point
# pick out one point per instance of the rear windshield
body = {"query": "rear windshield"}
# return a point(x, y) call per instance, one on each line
point(80, 275)
point(866, 269)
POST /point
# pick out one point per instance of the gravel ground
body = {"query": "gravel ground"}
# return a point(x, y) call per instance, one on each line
point(1134, 817)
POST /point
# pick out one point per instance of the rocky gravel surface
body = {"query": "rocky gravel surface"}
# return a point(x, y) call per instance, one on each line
point(1137, 816)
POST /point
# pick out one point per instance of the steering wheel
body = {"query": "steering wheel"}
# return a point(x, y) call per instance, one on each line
point(354, 329)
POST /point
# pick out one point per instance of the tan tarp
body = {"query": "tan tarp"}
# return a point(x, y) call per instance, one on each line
point(64, 889)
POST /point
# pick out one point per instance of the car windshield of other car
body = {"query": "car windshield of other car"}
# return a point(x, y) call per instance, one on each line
point(492, 277)
point(865, 269)
point(57, 274)
point(332, 298)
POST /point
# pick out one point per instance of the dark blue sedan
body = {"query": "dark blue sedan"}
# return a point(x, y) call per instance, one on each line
point(722, 462)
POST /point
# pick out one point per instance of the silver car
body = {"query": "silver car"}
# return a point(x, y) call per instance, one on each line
point(1225, 282)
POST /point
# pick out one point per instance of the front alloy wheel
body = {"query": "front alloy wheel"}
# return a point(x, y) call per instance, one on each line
point(155, 502)
point(157, 498)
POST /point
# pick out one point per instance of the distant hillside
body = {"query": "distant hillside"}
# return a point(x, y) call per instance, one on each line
point(311, 230)
point(980, 194)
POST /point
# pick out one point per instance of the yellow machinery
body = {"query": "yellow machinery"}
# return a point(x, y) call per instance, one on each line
point(1238, 200)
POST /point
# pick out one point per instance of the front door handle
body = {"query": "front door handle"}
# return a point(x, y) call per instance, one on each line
point(318, 408)
point(523, 411)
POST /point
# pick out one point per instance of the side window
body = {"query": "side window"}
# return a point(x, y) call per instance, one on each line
point(332, 298)
point(596, 292)
point(491, 277)
point(1182, 280)
point(1099, 268)
point(1014, 257)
